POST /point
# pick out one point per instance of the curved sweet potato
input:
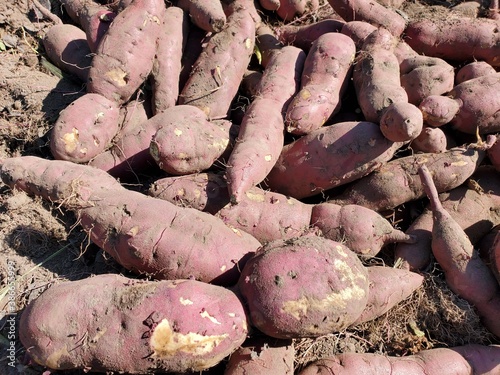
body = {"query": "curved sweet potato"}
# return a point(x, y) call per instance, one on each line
point(305, 287)
point(289, 9)
point(330, 157)
point(85, 128)
point(207, 15)
point(325, 76)
point(145, 235)
point(169, 325)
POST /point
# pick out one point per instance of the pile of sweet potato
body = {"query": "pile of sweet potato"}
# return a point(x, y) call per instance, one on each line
point(269, 159)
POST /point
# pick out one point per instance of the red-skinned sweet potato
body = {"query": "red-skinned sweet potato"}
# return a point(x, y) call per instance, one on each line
point(169, 325)
point(494, 257)
point(324, 80)
point(114, 73)
point(329, 157)
point(262, 355)
point(289, 9)
point(216, 75)
point(397, 182)
point(474, 205)
point(430, 140)
point(146, 235)
point(66, 46)
point(85, 128)
point(207, 15)
point(305, 287)
point(388, 287)
point(470, 107)
point(358, 31)
point(465, 272)
point(370, 11)
point(473, 70)
point(261, 136)
point(455, 38)
point(167, 64)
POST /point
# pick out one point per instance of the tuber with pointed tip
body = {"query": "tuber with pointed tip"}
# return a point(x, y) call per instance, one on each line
point(465, 272)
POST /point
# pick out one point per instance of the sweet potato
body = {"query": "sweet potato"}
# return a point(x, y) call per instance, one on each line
point(358, 31)
point(270, 4)
point(494, 257)
point(330, 157)
point(306, 287)
point(303, 36)
point(85, 128)
point(167, 63)
point(326, 74)
point(362, 230)
point(388, 287)
point(262, 355)
point(422, 76)
point(430, 140)
point(473, 70)
point(191, 144)
point(465, 272)
point(207, 15)
point(381, 96)
point(462, 39)
point(216, 75)
point(117, 69)
point(494, 153)
point(289, 9)
point(370, 11)
point(462, 360)
point(194, 45)
point(145, 235)
point(169, 325)
point(266, 43)
point(474, 205)
point(261, 136)
point(66, 46)
point(397, 182)
point(470, 107)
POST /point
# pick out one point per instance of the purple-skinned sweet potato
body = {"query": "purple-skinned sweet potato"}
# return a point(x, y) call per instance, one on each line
point(145, 235)
point(329, 157)
point(85, 128)
point(169, 325)
point(304, 287)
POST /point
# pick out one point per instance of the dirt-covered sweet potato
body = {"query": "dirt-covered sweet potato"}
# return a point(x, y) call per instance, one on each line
point(117, 68)
point(262, 131)
point(260, 355)
point(165, 326)
point(66, 46)
point(362, 230)
point(388, 287)
point(167, 63)
point(358, 31)
point(85, 128)
point(470, 107)
point(370, 11)
point(422, 76)
point(206, 14)
point(430, 140)
point(465, 272)
point(463, 360)
point(190, 145)
point(325, 76)
point(216, 74)
point(289, 9)
point(397, 182)
point(474, 205)
point(303, 36)
point(145, 235)
point(494, 257)
point(473, 70)
point(328, 157)
point(462, 39)
point(304, 287)
point(381, 96)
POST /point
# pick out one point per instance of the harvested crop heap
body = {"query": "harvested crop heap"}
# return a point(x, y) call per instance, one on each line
point(286, 194)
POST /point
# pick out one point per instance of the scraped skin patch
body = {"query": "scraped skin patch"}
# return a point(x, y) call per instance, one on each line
point(167, 343)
